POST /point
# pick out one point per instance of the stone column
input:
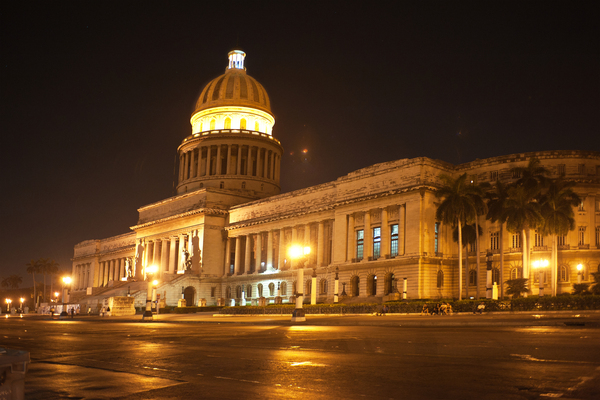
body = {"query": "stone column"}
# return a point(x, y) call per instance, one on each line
point(401, 230)
point(208, 160)
point(219, 161)
point(238, 255)
point(122, 272)
point(368, 238)
point(294, 243)
point(258, 252)
point(164, 255)
point(192, 162)
point(259, 170)
point(238, 170)
point(173, 255)
point(199, 170)
point(270, 250)
point(178, 267)
point(227, 256)
point(249, 162)
point(105, 271)
point(228, 172)
point(181, 163)
point(281, 255)
point(248, 254)
point(351, 237)
point(186, 160)
point(320, 243)
point(155, 257)
point(385, 233)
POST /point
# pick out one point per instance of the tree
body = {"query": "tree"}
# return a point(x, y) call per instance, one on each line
point(516, 286)
point(458, 206)
point(33, 266)
point(497, 212)
point(559, 218)
point(469, 236)
point(595, 289)
point(12, 281)
point(581, 288)
point(522, 214)
point(52, 269)
point(43, 264)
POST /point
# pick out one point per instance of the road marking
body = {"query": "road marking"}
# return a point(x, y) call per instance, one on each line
point(234, 379)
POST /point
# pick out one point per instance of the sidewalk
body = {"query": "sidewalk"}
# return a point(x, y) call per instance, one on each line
point(583, 318)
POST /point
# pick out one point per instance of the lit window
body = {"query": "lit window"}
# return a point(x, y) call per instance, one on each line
point(359, 243)
point(494, 240)
point(581, 235)
point(394, 240)
point(376, 243)
point(243, 123)
point(582, 205)
point(227, 123)
point(256, 126)
point(212, 124)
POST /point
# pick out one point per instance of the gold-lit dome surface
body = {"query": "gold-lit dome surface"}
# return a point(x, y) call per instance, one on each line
point(233, 88)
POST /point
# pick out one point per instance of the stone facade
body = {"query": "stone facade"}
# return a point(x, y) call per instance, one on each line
point(225, 236)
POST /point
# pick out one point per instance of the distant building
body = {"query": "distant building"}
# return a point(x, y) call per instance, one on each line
point(376, 226)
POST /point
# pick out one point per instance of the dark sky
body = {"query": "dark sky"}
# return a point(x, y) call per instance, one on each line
point(96, 96)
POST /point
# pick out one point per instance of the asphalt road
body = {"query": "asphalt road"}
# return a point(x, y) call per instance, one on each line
point(267, 358)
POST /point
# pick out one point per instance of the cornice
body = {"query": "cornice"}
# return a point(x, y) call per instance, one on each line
point(209, 211)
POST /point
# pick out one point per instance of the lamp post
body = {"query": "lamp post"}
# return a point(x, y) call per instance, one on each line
point(579, 273)
point(65, 296)
point(150, 271)
point(22, 300)
point(8, 301)
point(55, 297)
point(154, 285)
point(540, 265)
point(297, 252)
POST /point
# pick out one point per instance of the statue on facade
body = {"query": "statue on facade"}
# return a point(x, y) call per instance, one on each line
point(187, 260)
point(128, 268)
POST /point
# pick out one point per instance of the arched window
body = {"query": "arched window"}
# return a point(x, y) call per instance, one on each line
point(228, 292)
point(354, 285)
point(495, 276)
point(563, 274)
point(243, 123)
point(371, 285)
point(212, 124)
point(294, 289)
point(472, 277)
point(243, 185)
point(238, 292)
point(388, 283)
point(227, 123)
point(324, 286)
point(516, 273)
point(308, 287)
point(440, 279)
point(248, 291)
point(256, 126)
point(201, 185)
point(271, 289)
point(283, 289)
point(222, 185)
point(260, 290)
point(200, 130)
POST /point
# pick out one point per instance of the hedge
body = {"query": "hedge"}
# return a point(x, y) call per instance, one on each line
point(532, 303)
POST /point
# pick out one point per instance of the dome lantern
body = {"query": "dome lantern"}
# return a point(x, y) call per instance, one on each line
point(236, 59)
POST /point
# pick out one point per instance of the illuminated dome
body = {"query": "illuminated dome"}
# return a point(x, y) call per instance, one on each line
point(234, 88)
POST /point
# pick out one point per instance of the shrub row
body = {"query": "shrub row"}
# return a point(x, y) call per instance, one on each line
point(532, 303)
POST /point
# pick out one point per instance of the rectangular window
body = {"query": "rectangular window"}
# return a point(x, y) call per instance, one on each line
point(562, 169)
point(493, 176)
point(539, 239)
point(394, 240)
point(581, 169)
point(436, 243)
point(360, 240)
point(213, 291)
point(561, 240)
point(581, 235)
point(376, 243)
point(582, 205)
point(516, 174)
point(494, 240)
point(516, 240)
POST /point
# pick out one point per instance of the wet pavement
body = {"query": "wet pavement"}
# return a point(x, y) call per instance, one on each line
point(516, 356)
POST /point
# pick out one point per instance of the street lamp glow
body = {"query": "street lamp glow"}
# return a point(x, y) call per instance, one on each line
point(297, 251)
point(579, 267)
point(300, 253)
point(56, 295)
point(8, 301)
point(155, 282)
point(579, 273)
point(540, 265)
point(152, 269)
point(67, 280)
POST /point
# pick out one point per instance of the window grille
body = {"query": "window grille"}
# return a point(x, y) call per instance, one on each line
point(394, 240)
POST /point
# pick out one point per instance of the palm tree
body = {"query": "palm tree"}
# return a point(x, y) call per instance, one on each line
point(533, 175)
point(458, 206)
point(497, 199)
point(33, 266)
point(469, 237)
point(523, 214)
point(12, 281)
point(43, 263)
point(559, 218)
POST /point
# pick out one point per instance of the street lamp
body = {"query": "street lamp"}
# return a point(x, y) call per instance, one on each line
point(150, 271)
point(154, 302)
point(579, 273)
point(22, 300)
point(65, 296)
point(8, 301)
point(55, 297)
point(297, 252)
point(540, 265)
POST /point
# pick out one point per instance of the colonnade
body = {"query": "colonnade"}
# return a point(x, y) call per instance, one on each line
point(169, 254)
point(81, 276)
point(265, 251)
point(224, 159)
point(111, 270)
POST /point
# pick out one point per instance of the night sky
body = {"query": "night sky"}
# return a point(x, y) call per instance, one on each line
point(96, 96)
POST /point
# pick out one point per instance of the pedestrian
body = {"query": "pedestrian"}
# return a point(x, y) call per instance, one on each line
point(102, 312)
point(425, 309)
point(384, 310)
point(89, 311)
point(72, 312)
point(443, 309)
point(481, 308)
point(436, 309)
point(449, 308)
